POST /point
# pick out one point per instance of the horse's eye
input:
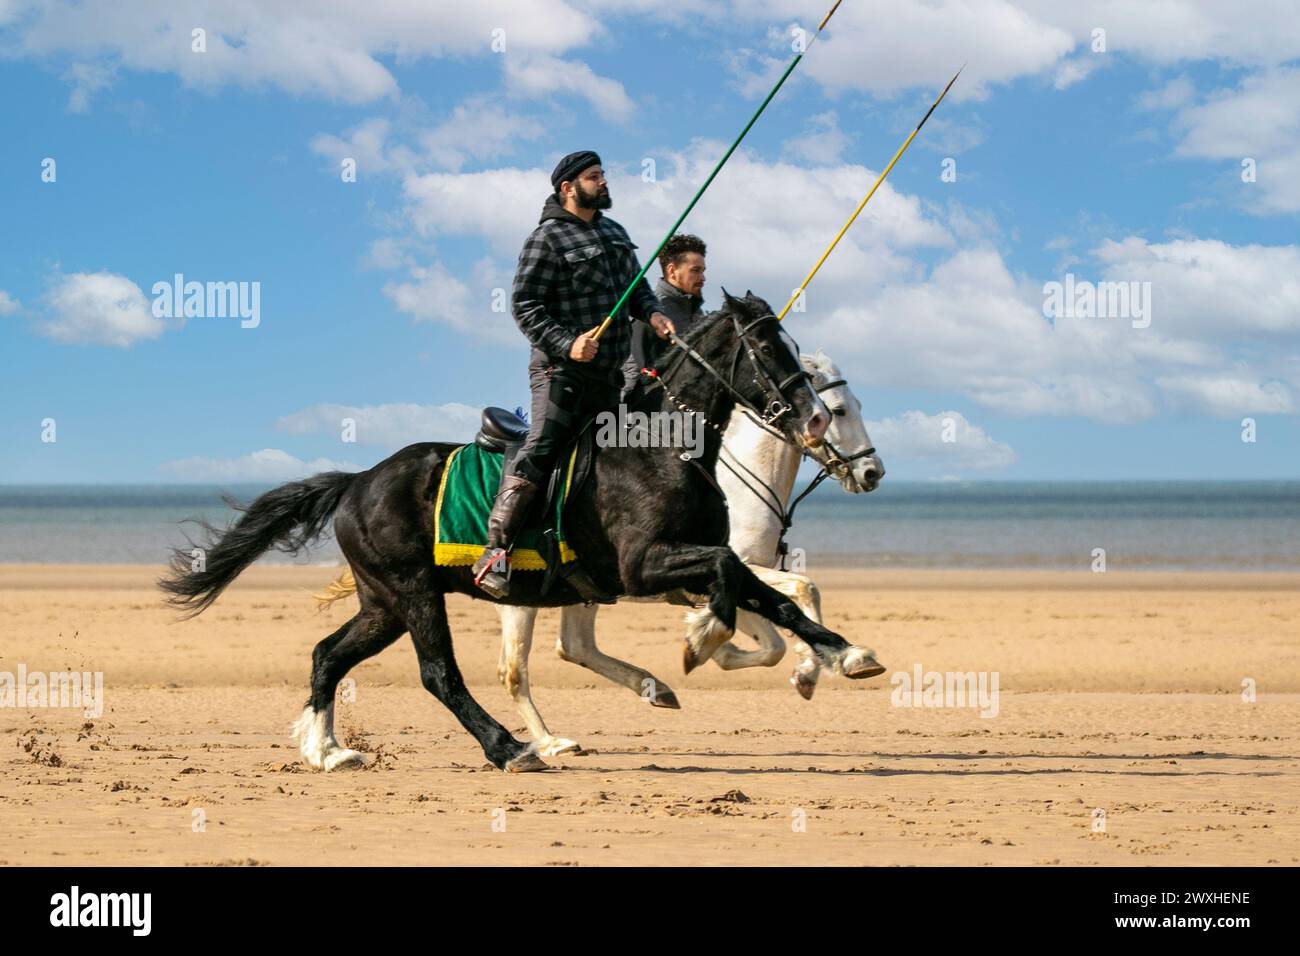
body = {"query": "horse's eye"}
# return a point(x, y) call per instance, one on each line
point(839, 411)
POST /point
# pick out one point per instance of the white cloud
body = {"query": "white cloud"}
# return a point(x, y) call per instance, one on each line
point(886, 48)
point(99, 308)
point(1176, 93)
point(477, 129)
point(822, 142)
point(972, 327)
point(269, 464)
point(8, 304)
point(1262, 33)
point(432, 294)
point(389, 426)
point(365, 143)
point(321, 48)
point(915, 437)
point(1257, 119)
point(86, 80)
point(340, 50)
point(1076, 70)
point(540, 76)
point(1205, 289)
point(1225, 395)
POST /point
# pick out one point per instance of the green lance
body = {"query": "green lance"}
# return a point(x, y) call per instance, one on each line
point(716, 169)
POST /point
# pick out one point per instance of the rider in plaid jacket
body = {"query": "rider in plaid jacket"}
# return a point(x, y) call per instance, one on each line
point(572, 269)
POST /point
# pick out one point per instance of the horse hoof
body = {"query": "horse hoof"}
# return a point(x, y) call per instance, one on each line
point(526, 762)
point(803, 684)
point(689, 660)
point(859, 664)
point(554, 746)
point(343, 760)
point(665, 698)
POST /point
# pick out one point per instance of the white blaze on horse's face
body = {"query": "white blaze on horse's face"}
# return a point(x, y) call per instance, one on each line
point(847, 434)
point(813, 429)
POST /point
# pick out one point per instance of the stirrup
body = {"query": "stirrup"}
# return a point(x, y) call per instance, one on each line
point(490, 577)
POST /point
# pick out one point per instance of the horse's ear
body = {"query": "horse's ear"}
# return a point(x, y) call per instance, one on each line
point(728, 300)
point(749, 293)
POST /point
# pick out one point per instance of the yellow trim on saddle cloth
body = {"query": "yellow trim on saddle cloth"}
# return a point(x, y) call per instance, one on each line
point(451, 554)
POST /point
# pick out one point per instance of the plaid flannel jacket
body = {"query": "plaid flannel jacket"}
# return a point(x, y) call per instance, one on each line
point(570, 274)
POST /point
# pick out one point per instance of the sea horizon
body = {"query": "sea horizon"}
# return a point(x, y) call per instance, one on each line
point(1149, 524)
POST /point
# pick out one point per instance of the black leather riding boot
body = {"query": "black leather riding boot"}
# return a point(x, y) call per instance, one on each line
point(492, 569)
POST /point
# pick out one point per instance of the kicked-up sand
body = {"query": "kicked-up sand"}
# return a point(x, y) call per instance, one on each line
point(1140, 718)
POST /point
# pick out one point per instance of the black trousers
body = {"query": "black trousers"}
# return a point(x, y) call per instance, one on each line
point(564, 400)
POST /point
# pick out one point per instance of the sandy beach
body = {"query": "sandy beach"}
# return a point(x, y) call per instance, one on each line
point(1118, 692)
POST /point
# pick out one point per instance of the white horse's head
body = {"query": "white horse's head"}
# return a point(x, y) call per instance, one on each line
point(846, 449)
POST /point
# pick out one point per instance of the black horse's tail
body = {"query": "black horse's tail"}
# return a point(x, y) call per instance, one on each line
point(285, 518)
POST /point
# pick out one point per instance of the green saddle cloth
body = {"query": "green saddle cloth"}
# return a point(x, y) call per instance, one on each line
point(465, 495)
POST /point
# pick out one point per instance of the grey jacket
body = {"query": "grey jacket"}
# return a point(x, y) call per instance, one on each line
point(647, 347)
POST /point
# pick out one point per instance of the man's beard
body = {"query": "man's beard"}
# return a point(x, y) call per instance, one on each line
point(593, 200)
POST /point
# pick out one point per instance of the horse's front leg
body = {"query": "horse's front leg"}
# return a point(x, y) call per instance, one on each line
point(577, 643)
point(516, 642)
point(718, 572)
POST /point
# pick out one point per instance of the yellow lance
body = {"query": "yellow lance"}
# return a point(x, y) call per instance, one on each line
point(862, 205)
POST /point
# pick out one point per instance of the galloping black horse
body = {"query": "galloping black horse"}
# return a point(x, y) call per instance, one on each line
point(648, 521)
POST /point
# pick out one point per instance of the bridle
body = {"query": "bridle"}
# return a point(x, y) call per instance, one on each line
point(777, 406)
point(837, 464)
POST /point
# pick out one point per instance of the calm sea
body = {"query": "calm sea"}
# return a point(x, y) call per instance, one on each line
point(1141, 525)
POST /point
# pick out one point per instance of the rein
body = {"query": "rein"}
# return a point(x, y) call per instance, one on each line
point(838, 464)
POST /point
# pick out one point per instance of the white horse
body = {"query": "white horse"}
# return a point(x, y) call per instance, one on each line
point(757, 474)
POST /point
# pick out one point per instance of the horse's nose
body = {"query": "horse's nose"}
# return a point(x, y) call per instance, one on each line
point(871, 473)
point(815, 427)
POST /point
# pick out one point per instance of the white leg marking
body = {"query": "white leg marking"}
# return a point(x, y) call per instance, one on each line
point(771, 647)
point(705, 633)
point(314, 732)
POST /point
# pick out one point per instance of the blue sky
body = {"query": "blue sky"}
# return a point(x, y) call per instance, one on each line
point(1122, 164)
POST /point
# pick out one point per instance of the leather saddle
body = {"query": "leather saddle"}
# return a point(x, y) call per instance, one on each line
point(500, 429)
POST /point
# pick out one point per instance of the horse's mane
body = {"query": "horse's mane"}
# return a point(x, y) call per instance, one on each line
point(701, 328)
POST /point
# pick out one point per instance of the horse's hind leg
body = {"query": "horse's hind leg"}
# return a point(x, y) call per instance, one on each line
point(770, 646)
point(577, 644)
point(365, 635)
point(806, 594)
point(426, 618)
point(516, 643)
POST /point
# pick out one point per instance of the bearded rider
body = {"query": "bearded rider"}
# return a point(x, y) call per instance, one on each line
point(573, 268)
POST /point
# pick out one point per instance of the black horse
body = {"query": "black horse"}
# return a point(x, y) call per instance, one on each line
point(647, 521)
